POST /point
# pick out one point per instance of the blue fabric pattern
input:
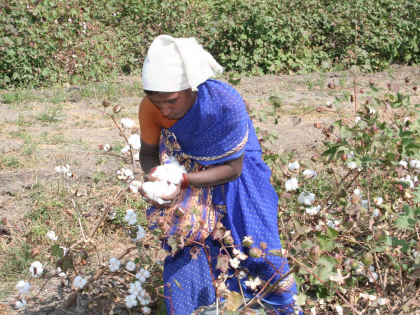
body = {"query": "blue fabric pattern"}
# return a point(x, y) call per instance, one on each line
point(218, 123)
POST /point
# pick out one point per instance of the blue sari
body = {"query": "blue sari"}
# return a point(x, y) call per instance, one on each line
point(217, 129)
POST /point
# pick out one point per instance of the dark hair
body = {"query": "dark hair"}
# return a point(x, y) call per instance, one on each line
point(155, 92)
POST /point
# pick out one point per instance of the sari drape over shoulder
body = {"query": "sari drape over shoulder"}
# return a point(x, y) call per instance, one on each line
point(216, 129)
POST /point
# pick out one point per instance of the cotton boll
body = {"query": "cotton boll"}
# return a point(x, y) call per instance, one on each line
point(135, 288)
point(23, 287)
point(142, 275)
point(127, 123)
point(408, 180)
point(20, 303)
point(415, 164)
point(134, 141)
point(79, 282)
point(125, 149)
point(291, 184)
point(62, 168)
point(60, 273)
point(140, 234)
point(313, 210)
point(375, 213)
point(51, 235)
point(357, 119)
point(134, 186)
point(356, 191)
point(130, 301)
point(114, 264)
point(306, 198)
point(130, 217)
point(146, 310)
point(378, 200)
point(130, 266)
point(36, 269)
point(294, 166)
point(352, 165)
point(310, 173)
point(403, 163)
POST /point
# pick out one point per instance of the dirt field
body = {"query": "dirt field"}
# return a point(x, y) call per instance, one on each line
point(44, 128)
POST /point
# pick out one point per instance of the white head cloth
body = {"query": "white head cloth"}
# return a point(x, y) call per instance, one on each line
point(176, 64)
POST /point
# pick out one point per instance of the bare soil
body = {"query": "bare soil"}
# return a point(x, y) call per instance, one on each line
point(37, 136)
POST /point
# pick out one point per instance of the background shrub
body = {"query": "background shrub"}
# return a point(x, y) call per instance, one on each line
point(49, 42)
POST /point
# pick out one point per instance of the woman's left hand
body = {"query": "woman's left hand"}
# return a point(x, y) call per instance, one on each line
point(171, 197)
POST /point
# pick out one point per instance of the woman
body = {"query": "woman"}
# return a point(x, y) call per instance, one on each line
point(204, 122)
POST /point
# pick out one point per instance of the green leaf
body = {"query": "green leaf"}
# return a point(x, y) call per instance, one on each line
point(333, 233)
point(177, 284)
point(322, 273)
point(235, 82)
point(325, 242)
point(275, 101)
point(57, 251)
point(327, 261)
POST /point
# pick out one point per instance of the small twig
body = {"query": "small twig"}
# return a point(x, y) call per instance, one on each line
point(254, 300)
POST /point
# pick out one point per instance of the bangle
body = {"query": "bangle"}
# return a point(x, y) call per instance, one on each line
point(184, 183)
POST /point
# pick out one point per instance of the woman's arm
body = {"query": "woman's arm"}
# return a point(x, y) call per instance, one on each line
point(149, 156)
point(222, 174)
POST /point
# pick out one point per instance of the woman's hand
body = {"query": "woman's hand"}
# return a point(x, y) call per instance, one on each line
point(150, 178)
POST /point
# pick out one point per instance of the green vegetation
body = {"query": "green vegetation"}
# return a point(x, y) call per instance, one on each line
point(53, 42)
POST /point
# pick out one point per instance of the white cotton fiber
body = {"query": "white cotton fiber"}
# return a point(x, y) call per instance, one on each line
point(170, 174)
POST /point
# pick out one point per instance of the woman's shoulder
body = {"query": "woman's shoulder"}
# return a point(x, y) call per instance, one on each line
point(216, 88)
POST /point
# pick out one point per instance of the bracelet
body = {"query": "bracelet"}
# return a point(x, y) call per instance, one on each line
point(184, 183)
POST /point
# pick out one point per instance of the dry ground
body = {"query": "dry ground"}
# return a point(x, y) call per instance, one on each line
point(44, 128)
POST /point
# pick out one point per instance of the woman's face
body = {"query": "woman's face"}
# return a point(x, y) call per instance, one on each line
point(174, 105)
